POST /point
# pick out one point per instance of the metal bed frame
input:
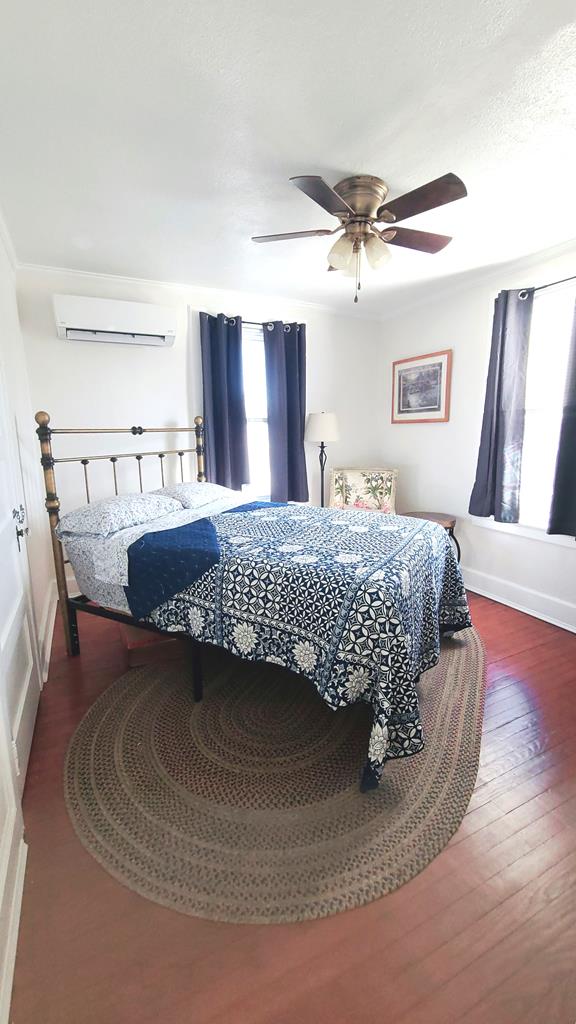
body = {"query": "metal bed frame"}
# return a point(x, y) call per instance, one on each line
point(70, 606)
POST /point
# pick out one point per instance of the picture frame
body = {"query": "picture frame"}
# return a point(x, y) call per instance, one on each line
point(421, 388)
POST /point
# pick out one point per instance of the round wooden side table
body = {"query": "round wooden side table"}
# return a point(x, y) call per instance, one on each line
point(443, 519)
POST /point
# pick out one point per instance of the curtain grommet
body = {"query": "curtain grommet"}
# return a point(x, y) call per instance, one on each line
point(287, 328)
point(523, 295)
point(269, 327)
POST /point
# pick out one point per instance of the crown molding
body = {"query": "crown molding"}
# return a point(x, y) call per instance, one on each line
point(413, 296)
point(469, 279)
point(217, 291)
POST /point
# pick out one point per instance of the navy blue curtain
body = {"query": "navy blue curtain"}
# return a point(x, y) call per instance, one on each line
point(224, 410)
point(563, 508)
point(496, 489)
point(285, 351)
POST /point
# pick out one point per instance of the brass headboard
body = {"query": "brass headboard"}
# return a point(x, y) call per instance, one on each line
point(46, 432)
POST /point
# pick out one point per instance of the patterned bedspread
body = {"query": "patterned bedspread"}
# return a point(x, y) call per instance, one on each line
point(356, 601)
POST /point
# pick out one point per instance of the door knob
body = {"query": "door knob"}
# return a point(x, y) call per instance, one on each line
point(20, 533)
point(19, 514)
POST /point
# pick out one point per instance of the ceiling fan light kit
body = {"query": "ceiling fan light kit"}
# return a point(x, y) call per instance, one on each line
point(359, 203)
point(341, 252)
point(377, 252)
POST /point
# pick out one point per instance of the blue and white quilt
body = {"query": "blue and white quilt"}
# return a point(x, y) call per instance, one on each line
point(356, 601)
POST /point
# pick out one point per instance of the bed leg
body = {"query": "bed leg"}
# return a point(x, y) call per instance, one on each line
point(197, 681)
point(73, 629)
point(369, 780)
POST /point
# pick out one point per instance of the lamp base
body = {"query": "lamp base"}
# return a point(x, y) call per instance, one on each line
point(322, 460)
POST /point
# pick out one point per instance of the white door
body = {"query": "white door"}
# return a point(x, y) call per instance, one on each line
point(19, 688)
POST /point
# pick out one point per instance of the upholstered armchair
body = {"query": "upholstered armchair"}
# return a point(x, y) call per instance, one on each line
point(371, 489)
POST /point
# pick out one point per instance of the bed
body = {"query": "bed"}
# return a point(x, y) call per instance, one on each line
point(356, 601)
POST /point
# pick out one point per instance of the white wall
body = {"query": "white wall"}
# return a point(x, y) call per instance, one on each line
point(19, 659)
point(38, 540)
point(82, 384)
point(437, 461)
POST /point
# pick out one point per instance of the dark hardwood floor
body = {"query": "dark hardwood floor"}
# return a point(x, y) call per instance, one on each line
point(485, 935)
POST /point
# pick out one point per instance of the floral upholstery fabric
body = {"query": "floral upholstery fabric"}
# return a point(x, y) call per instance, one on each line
point(368, 489)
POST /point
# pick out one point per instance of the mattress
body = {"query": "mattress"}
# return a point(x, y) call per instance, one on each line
point(111, 595)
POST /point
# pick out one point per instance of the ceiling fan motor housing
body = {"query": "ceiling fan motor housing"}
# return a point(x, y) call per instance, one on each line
point(364, 193)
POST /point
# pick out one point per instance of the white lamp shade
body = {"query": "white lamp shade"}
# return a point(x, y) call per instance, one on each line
point(350, 269)
point(341, 251)
point(321, 426)
point(377, 251)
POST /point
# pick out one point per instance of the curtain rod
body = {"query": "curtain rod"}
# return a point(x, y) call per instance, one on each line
point(552, 283)
point(258, 323)
point(251, 323)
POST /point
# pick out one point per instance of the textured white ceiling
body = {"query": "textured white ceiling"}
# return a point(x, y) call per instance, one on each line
point(151, 138)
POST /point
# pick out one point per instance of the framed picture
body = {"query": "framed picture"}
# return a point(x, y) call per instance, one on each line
point(421, 388)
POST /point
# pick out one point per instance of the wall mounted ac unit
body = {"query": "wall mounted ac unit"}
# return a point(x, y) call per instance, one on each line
point(80, 318)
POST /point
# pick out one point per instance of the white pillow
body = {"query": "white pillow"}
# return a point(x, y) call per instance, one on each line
point(102, 518)
point(195, 495)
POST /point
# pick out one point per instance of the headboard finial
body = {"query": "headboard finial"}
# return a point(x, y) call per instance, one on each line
point(200, 465)
point(42, 418)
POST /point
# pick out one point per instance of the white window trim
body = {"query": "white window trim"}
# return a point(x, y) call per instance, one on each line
point(525, 527)
point(519, 530)
point(257, 333)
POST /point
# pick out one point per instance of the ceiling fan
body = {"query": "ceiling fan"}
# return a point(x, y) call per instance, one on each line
point(359, 204)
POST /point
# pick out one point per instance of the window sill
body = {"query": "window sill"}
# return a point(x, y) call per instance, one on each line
point(518, 530)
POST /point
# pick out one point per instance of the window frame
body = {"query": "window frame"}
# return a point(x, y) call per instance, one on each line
point(564, 294)
point(257, 332)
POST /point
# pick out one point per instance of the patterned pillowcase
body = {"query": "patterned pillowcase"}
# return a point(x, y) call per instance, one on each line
point(364, 489)
point(102, 518)
point(195, 495)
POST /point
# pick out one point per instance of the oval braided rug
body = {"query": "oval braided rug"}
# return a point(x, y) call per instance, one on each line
point(246, 807)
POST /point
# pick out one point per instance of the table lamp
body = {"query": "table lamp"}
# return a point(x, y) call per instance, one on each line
point(321, 427)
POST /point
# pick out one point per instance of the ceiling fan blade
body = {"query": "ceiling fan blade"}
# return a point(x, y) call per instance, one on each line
point(291, 234)
point(317, 189)
point(424, 241)
point(436, 193)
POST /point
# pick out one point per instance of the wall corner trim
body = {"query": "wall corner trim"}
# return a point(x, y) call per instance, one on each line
point(14, 906)
point(7, 244)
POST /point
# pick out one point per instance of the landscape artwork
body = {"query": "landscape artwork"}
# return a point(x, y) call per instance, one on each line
point(421, 388)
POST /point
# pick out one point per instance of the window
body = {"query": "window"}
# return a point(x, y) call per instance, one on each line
point(550, 333)
point(255, 398)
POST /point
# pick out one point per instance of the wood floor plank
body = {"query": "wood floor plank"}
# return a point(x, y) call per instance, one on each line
point(552, 927)
point(379, 968)
point(482, 936)
point(544, 989)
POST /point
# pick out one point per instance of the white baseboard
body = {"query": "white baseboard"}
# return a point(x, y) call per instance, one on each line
point(46, 629)
point(12, 923)
point(524, 599)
